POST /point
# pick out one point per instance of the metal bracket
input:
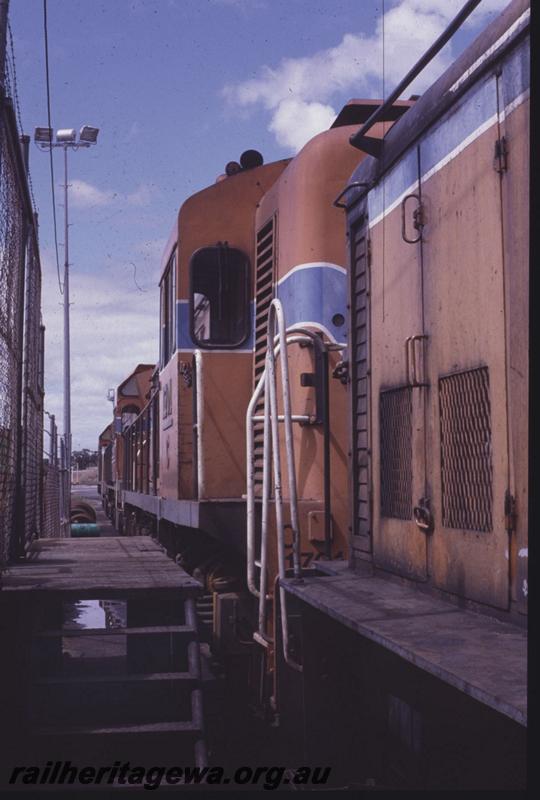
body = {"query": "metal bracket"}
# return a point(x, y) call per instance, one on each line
point(411, 361)
point(186, 371)
point(423, 516)
point(368, 144)
point(500, 156)
point(341, 372)
point(510, 514)
point(353, 185)
point(418, 218)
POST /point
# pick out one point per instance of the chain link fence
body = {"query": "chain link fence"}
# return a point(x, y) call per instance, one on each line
point(12, 264)
point(21, 347)
point(33, 392)
point(54, 485)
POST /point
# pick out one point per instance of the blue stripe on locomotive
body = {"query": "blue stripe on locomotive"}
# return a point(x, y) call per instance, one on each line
point(478, 107)
point(314, 293)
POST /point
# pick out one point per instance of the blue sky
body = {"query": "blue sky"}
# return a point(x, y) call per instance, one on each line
point(178, 89)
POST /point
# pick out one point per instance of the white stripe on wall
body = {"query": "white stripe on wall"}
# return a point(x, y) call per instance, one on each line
point(312, 265)
point(453, 154)
point(495, 46)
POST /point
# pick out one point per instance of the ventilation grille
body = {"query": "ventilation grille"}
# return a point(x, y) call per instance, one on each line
point(466, 459)
point(264, 294)
point(396, 453)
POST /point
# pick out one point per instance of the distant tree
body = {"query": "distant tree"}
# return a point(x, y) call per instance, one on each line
point(85, 458)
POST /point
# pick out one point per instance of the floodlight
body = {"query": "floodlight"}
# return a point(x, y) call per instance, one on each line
point(88, 134)
point(66, 135)
point(43, 135)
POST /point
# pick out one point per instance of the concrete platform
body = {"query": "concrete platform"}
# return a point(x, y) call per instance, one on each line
point(108, 566)
point(479, 655)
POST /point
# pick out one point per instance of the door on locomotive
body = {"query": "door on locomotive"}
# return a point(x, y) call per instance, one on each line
point(435, 326)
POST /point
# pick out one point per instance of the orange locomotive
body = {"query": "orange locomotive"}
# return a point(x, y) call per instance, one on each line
point(130, 397)
point(341, 412)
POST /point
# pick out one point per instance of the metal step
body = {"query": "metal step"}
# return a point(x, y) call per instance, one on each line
point(144, 729)
point(145, 677)
point(153, 630)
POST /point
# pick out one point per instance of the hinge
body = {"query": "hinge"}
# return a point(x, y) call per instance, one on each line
point(500, 156)
point(509, 512)
point(368, 252)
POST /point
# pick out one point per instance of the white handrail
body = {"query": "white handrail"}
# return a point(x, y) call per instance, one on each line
point(199, 410)
point(275, 315)
point(276, 345)
point(292, 338)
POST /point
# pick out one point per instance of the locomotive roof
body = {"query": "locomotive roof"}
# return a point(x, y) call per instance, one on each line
point(355, 112)
point(138, 368)
point(475, 61)
point(107, 431)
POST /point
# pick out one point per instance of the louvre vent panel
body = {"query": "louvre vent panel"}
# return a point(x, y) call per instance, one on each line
point(466, 451)
point(395, 421)
point(264, 294)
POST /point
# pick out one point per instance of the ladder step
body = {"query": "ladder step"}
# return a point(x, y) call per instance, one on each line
point(281, 418)
point(145, 677)
point(259, 639)
point(64, 633)
point(147, 728)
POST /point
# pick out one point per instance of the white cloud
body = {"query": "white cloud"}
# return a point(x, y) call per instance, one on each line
point(114, 327)
point(297, 91)
point(295, 121)
point(142, 196)
point(85, 195)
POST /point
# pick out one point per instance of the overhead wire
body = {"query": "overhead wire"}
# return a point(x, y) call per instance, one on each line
point(50, 148)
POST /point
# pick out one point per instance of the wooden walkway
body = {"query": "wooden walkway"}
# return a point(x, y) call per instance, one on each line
point(109, 566)
point(479, 655)
point(126, 679)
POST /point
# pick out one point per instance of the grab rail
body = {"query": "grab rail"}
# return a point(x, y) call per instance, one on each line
point(199, 400)
point(251, 418)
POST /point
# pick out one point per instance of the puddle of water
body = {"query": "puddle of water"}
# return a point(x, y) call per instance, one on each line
point(95, 614)
point(94, 654)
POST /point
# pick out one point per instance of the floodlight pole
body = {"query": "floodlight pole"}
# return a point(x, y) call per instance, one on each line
point(66, 139)
point(67, 366)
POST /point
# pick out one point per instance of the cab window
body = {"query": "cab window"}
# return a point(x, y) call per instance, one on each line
point(219, 297)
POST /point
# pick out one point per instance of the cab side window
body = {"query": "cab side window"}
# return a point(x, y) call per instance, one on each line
point(168, 311)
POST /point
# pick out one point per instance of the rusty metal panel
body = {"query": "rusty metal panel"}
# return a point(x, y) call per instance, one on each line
point(466, 463)
point(226, 396)
point(514, 106)
point(398, 448)
point(465, 321)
